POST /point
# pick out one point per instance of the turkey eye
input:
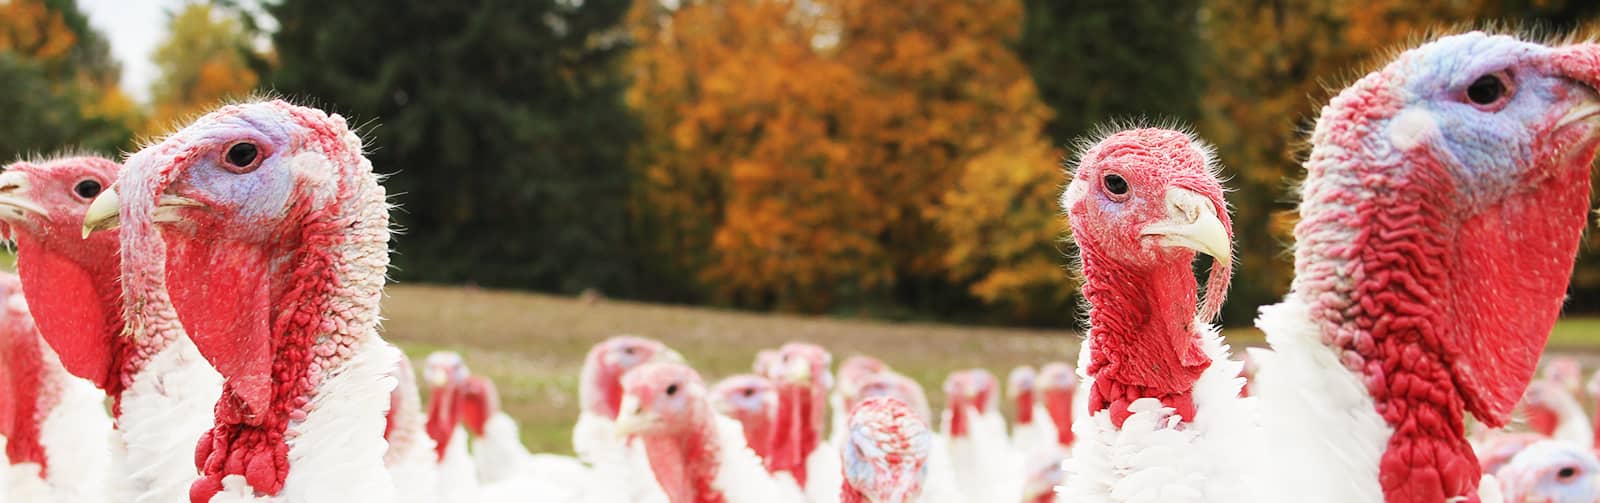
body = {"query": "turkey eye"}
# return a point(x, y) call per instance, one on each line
point(749, 393)
point(1486, 90)
point(87, 189)
point(1116, 184)
point(1567, 472)
point(242, 154)
point(672, 389)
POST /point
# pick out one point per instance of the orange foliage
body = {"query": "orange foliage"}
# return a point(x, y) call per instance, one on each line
point(201, 65)
point(34, 30)
point(801, 154)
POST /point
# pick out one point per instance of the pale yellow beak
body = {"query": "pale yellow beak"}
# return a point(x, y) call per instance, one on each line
point(14, 204)
point(668, 356)
point(798, 371)
point(1192, 223)
point(104, 212)
point(630, 420)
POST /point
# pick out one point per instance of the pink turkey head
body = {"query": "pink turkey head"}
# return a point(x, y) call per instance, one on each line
point(1551, 472)
point(885, 453)
point(753, 401)
point(599, 385)
point(216, 212)
point(1150, 198)
point(72, 280)
point(855, 368)
point(891, 384)
point(663, 399)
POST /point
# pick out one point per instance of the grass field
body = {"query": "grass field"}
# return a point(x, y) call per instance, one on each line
point(532, 345)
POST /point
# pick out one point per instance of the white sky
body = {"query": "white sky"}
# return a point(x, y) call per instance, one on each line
point(134, 28)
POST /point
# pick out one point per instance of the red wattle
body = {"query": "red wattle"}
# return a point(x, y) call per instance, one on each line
point(1058, 403)
point(1025, 407)
point(85, 333)
point(442, 417)
point(1543, 420)
point(222, 293)
point(25, 405)
point(793, 435)
point(686, 467)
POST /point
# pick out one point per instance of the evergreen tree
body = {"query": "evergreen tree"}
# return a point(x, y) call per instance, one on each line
point(501, 121)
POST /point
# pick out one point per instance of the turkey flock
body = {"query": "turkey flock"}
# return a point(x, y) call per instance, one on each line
point(199, 322)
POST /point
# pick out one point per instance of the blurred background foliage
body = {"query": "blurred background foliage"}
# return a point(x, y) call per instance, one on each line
point(852, 157)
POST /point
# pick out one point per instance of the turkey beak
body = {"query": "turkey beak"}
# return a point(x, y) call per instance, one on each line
point(1192, 223)
point(668, 356)
point(14, 203)
point(104, 212)
point(632, 419)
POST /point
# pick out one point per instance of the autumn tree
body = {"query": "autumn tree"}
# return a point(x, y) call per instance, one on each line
point(1273, 63)
point(58, 83)
point(810, 155)
point(202, 63)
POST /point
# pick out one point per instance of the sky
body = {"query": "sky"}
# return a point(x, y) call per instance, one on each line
point(135, 28)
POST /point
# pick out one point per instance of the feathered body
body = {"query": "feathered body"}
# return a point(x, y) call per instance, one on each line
point(1165, 418)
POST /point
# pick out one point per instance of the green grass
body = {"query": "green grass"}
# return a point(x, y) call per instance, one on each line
point(533, 345)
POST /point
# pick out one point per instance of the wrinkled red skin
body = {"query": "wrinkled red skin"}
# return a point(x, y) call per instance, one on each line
point(254, 310)
point(1439, 315)
point(1144, 340)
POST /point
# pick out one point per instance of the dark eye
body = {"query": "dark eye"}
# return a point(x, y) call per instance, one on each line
point(87, 189)
point(672, 389)
point(1566, 472)
point(1487, 90)
point(1116, 185)
point(749, 392)
point(628, 351)
point(242, 154)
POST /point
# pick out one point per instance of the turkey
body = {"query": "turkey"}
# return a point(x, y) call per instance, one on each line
point(1057, 388)
point(1553, 412)
point(885, 453)
point(1164, 405)
point(940, 484)
point(410, 454)
point(456, 475)
point(1032, 434)
point(1440, 218)
point(753, 402)
point(798, 456)
point(502, 460)
point(974, 434)
point(268, 231)
point(696, 456)
point(1565, 370)
point(1551, 472)
point(55, 425)
point(594, 438)
point(162, 392)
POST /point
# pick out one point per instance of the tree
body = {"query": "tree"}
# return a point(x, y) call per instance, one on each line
point(501, 122)
point(58, 83)
point(810, 155)
point(1099, 60)
point(202, 62)
point(1273, 63)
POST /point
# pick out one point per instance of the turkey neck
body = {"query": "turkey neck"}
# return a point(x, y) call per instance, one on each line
point(1058, 403)
point(796, 432)
point(34, 388)
point(126, 352)
point(1142, 331)
point(686, 464)
point(326, 278)
point(1025, 407)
